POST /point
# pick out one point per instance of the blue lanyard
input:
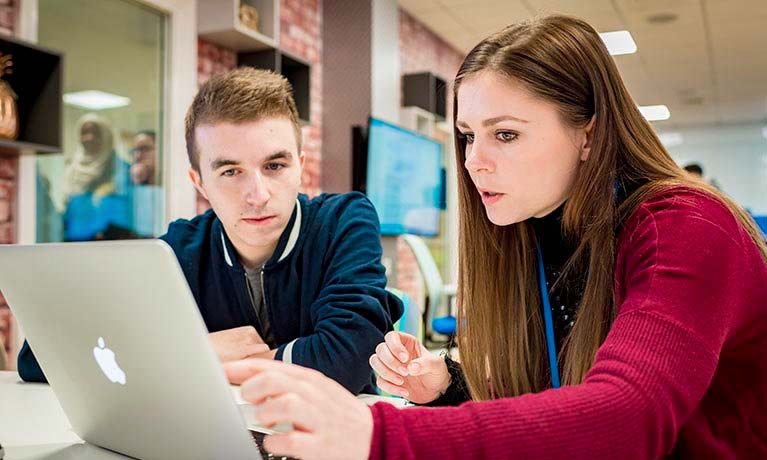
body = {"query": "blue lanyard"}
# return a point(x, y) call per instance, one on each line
point(548, 322)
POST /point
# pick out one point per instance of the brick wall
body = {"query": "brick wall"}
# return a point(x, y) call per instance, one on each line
point(300, 23)
point(422, 51)
point(8, 11)
point(9, 167)
point(300, 26)
point(8, 172)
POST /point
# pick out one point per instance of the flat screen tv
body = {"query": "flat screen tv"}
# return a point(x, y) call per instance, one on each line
point(404, 179)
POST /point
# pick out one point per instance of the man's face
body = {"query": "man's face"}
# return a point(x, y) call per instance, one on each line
point(250, 173)
point(143, 159)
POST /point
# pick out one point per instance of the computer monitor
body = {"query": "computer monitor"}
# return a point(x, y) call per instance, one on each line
point(404, 179)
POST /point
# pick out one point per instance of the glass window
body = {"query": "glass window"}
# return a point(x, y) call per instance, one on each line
point(107, 183)
point(733, 158)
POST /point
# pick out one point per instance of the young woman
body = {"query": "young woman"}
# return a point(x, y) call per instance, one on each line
point(612, 306)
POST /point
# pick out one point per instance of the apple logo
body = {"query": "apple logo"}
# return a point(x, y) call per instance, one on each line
point(105, 358)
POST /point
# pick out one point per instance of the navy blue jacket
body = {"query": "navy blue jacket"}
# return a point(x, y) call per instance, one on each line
point(324, 286)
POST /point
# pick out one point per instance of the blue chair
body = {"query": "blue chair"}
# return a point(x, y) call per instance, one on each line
point(761, 221)
point(438, 314)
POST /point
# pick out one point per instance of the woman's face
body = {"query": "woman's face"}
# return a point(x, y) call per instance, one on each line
point(520, 155)
point(90, 137)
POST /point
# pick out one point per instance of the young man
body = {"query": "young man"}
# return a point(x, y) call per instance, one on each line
point(274, 273)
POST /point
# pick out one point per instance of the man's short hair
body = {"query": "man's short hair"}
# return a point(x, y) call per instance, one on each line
point(694, 168)
point(148, 133)
point(241, 95)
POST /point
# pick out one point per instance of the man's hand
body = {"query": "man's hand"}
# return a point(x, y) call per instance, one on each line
point(269, 354)
point(237, 343)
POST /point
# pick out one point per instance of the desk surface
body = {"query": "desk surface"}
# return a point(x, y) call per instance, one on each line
point(32, 423)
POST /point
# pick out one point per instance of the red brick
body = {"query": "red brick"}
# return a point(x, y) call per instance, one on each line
point(5, 210)
point(5, 328)
point(7, 17)
point(9, 167)
point(230, 60)
point(7, 193)
point(421, 50)
point(7, 188)
point(6, 233)
point(213, 53)
point(287, 17)
point(219, 68)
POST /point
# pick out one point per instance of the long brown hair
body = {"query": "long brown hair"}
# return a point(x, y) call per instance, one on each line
point(561, 60)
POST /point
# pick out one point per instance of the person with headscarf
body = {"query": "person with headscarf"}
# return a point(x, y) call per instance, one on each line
point(97, 186)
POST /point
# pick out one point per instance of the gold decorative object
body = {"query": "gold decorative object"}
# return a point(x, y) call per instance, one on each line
point(249, 16)
point(9, 114)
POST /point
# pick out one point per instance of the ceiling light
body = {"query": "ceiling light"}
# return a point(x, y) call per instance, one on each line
point(655, 112)
point(671, 139)
point(95, 100)
point(619, 42)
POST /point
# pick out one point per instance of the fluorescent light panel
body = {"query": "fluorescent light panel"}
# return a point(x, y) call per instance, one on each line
point(619, 42)
point(655, 112)
point(95, 100)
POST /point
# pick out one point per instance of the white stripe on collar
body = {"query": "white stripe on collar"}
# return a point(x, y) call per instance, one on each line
point(226, 252)
point(292, 239)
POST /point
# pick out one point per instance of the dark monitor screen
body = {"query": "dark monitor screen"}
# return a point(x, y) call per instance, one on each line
point(404, 179)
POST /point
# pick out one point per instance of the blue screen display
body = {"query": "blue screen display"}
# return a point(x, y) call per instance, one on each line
point(404, 179)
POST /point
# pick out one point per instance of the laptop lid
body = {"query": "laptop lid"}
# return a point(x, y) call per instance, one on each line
point(117, 332)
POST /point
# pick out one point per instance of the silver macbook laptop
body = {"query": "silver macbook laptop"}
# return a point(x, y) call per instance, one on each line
point(119, 336)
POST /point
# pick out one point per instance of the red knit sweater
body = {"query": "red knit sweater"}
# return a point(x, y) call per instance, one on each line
point(682, 373)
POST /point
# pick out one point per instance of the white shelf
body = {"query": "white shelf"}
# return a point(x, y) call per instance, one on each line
point(418, 120)
point(239, 38)
point(218, 22)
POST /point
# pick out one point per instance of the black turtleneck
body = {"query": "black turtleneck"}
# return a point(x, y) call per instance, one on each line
point(567, 293)
point(564, 298)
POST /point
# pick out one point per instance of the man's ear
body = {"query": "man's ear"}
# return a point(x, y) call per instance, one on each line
point(196, 179)
point(588, 139)
point(301, 159)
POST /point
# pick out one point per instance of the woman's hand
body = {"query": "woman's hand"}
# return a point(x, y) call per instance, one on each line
point(329, 422)
point(406, 368)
